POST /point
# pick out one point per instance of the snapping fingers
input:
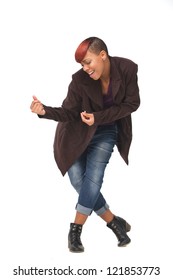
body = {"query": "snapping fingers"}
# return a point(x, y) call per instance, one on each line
point(87, 118)
point(37, 107)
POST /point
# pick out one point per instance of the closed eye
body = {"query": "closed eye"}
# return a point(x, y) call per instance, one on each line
point(86, 62)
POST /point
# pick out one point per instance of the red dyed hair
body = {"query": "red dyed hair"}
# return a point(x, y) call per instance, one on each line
point(82, 50)
point(95, 44)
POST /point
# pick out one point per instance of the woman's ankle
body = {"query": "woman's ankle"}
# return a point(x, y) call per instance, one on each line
point(107, 216)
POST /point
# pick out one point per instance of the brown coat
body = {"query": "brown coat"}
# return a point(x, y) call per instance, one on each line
point(85, 94)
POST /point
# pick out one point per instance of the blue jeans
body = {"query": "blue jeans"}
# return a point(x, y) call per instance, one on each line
point(87, 172)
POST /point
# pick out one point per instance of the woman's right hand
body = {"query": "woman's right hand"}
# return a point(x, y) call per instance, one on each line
point(37, 107)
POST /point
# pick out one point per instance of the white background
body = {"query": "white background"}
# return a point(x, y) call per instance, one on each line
point(37, 44)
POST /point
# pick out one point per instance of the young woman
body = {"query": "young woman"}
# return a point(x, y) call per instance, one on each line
point(94, 117)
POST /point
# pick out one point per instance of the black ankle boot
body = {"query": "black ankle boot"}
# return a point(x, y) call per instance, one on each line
point(74, 241)
point(124, 224)
point(119, 226)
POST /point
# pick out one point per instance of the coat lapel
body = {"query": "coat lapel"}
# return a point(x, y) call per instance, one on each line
point(94, 92)
point(116, 78)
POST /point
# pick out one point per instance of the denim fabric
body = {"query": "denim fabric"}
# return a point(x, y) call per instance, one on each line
point(87, 172)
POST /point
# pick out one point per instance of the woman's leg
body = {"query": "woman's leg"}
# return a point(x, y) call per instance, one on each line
point(86, 174)
point(107, 216)
point(97, 157)
point(77, 175)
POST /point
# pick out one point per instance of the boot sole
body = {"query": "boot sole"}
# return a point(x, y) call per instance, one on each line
point(125, 243)
point(75, 250)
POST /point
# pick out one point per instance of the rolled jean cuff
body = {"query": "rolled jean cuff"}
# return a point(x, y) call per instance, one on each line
point(83, 210)
point(102, 210)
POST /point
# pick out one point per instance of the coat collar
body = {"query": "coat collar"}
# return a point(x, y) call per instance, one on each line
point(93, 88)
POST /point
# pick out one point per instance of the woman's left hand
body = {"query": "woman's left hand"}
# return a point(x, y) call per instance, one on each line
point(87, 118)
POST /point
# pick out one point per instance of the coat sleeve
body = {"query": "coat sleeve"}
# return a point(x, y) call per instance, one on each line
point(70, 109)
point(129, 104)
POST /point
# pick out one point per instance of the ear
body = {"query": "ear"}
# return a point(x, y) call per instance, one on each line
point(103, 55)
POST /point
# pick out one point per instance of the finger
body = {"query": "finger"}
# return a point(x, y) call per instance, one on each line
point(34, 103)
point(86, 121)
point(34, 97)
point(82, 117)
point(85, 115)
point(37, 108)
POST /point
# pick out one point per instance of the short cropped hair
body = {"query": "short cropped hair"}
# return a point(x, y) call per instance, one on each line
point(93, 44)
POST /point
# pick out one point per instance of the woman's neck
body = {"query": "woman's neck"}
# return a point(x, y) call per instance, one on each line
point(105, 78)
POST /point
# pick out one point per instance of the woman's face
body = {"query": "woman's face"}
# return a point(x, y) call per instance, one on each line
point(93, 64)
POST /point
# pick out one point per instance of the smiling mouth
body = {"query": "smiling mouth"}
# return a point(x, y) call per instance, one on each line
point(90, 73)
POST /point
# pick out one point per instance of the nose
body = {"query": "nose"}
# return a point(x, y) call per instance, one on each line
point(85, 67)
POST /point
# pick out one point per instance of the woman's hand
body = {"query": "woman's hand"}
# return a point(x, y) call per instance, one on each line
point(37, 107)
point(87, 118)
